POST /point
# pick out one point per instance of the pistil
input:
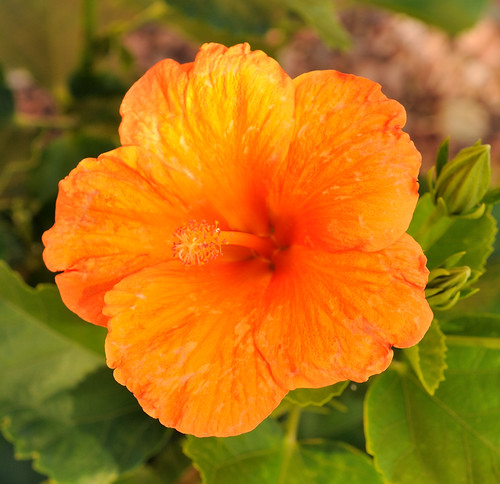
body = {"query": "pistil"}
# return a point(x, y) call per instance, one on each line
point(262, 246)
point(199, 242)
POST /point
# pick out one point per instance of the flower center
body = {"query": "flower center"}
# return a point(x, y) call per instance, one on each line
point(199, 242)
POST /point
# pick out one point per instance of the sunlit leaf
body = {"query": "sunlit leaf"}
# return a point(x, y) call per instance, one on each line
point(428, 358)
point(265, 456)
point(451, 436)
point(59, 404)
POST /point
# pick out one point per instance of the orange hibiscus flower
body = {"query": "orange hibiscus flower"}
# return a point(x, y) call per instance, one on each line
point(248, 238)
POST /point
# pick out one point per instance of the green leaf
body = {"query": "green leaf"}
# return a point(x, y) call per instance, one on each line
point(252, 20)
point(142, 475)
point(265, 456)
point(474, 236)
point(428, 358)
point(452, 16)
point(492, 196)
point(452, 235)
point(41, 36)
point(91, 433)
point(495, 212)
point(239, 18)
point(340, 420)
point(451, 436)
point(59, 404)
point(316, 396)
point(423, 211)
point(25, 314)
point(429, 221)
point(15, 471)
point(44, 308)
point(66, 323)
point(442, 156)
point(170, 466)
point(321, 16)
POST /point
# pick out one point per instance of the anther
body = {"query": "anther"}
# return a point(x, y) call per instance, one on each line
point(197, 242)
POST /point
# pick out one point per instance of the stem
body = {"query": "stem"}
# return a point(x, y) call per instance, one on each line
point(290, 441)
point(477, 341)
point(292, 426)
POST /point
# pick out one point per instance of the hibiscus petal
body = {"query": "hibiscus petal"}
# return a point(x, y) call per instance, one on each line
point(181, 339)
point(351, 177)
point(335, 316)
point(225, 120)
point(114, 216)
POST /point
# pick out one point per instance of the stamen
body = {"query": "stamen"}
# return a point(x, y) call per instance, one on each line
point(200, 242)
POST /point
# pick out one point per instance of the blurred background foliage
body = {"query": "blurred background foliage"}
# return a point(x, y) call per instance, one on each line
point(65, 65)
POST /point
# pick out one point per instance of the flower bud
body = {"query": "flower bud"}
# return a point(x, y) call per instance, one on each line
point(446, 286)
point(463, 181)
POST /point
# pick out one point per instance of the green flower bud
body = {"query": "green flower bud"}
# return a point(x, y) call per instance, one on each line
point(463, 181)
point(446, 286)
